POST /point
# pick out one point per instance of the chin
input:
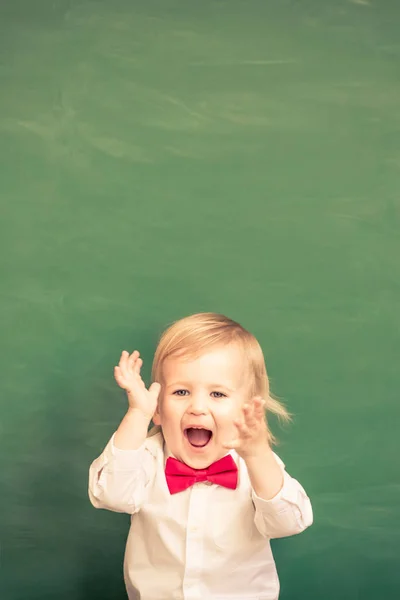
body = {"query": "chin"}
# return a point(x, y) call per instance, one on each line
point(198, 460)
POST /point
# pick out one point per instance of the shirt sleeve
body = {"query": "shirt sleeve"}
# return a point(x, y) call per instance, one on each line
point(119, 479)
point(288, 513)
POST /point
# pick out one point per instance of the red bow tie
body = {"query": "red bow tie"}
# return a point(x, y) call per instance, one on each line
point(180, 476)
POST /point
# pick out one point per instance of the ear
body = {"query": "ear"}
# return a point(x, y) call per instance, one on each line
point(156, 417)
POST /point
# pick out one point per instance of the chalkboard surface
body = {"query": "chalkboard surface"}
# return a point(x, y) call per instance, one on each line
point(163, 158)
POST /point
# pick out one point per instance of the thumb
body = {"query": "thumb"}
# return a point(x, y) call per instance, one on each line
point(231, 445)
point(154, 390)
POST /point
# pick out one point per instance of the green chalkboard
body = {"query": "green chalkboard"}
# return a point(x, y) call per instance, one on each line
point(160, 158)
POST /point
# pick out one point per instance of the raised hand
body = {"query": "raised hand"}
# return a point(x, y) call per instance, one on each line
point(127, 375)
point(252, 431)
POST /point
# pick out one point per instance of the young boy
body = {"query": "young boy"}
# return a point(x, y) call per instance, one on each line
point(204, 488)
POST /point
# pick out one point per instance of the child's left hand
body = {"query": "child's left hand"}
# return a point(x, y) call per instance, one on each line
point(252, 431)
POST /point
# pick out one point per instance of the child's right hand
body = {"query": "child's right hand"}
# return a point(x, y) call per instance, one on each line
point(127, 375)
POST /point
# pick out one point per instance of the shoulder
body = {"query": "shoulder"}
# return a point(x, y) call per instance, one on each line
point(279, 461)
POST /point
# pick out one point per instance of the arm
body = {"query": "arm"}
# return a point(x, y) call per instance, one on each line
point(282, 507)
point(120, 477)
point(265, 474)
point(281, 504)
point(132, 430)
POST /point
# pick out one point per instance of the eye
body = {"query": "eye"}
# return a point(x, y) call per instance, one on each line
point(180, 392)
point(219, 395)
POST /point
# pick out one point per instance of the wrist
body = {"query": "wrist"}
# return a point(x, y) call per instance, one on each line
point(266, 476)
point(261, 451)
point(139, 416)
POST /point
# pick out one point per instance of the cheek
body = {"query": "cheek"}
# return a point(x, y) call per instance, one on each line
point(170, 413)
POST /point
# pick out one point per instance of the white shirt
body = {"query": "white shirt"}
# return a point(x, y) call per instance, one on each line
point(205, 543)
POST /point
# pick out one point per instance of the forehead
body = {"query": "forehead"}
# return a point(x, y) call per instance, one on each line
point(223, 364)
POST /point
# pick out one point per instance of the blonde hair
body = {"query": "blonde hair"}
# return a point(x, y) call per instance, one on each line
point(191, 336)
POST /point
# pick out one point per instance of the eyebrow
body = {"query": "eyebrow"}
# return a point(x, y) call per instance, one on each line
point(211, 385)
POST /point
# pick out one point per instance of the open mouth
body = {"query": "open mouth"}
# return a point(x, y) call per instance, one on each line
point(197, 436)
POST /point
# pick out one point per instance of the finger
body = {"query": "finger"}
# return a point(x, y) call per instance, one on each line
point(122, 358)
point(124, 374)
point(137, 366)
point(242, 428)
point(259, 407)
point(133, 358)
point(123, 362)
point(124, 365)
point(119, 377)
point(232, 444)
point(249, 416)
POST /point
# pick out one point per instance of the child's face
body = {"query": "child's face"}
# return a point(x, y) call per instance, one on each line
point(198, 403)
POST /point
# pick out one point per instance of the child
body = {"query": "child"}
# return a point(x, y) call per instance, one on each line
point(204, 488)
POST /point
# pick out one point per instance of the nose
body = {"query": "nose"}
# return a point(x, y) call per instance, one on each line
point(198, 404)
